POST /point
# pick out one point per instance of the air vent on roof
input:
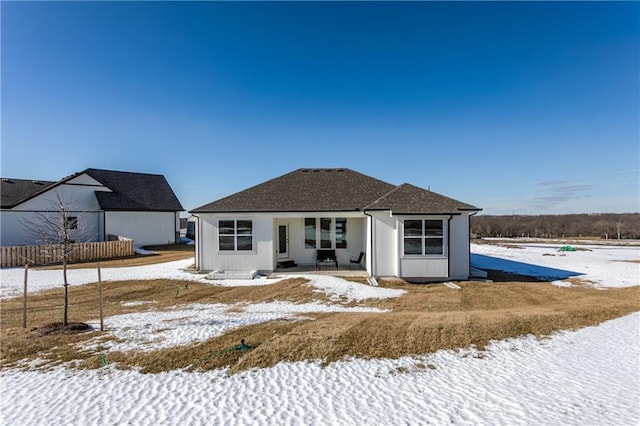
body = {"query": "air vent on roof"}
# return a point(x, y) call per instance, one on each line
point(316, 170)
point(37, 182)
point(7, 180)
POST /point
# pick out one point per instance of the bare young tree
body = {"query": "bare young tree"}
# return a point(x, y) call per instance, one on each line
point(58, 228)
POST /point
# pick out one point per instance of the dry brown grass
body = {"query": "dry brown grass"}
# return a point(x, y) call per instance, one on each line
point(427, 318)
point(166, 253)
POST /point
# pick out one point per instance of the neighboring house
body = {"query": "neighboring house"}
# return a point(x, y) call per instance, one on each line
point(139, 206)
point(404, 231)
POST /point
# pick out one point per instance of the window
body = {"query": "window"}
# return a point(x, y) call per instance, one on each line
point(325, 232)
point(71, 222)
point(423, 237)
point(433, 241)
point(309, 233)
point(341, 233)
point(323, 236)
point(235, 235)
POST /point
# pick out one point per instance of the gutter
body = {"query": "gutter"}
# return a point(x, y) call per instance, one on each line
point(449, 245)
point(176, 228)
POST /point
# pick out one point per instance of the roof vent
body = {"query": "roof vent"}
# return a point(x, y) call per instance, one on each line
point(7, 180)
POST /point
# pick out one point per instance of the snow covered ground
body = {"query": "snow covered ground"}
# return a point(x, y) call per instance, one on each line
point(602, 266)
point(590, 376)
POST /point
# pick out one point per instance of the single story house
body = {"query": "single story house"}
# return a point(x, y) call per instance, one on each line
point(404, 231)
point(139, 206)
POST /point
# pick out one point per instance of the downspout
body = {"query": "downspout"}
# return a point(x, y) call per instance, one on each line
point(449, 245)
point(371, 257)
point(104, 225)
point(176, 227)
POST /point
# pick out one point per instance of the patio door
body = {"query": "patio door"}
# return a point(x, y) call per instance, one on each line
point(283, 241)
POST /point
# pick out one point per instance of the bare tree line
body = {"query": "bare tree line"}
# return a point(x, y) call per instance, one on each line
point(598, 225)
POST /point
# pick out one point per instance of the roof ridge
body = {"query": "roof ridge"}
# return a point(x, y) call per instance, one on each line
point(382, 197)
point(118, 171)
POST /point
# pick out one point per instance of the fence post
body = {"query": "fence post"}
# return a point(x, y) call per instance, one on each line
point(100, 297)
point(24, 302)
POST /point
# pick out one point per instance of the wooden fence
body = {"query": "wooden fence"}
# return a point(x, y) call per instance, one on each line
point(45, 255)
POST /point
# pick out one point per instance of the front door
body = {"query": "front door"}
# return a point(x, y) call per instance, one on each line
point(283, 242)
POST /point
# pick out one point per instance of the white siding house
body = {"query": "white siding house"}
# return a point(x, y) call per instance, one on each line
point(138, 206)
point(403, 231)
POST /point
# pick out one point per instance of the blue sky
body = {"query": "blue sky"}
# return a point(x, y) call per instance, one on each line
point(525, 108)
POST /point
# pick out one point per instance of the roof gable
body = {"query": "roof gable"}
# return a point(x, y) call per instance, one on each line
point(305, 190)
point(134, 191)
point(15, 191)
point(411, 199)
point(130, 191)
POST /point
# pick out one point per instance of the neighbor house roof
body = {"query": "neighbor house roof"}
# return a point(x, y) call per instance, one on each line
point(134, 191)
point(14, 191)
point(332, 190)
point(130, 191)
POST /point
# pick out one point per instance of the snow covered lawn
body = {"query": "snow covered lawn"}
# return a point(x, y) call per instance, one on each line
point(589, 376)
point(600, 266)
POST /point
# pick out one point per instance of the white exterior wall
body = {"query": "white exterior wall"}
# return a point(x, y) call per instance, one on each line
point(77, 194)
point(14, 233)
point(261, 258)
point(385, 245)
point(145, 228)
point(432, 266)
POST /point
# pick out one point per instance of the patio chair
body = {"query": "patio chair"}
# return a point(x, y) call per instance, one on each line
point(356, 260)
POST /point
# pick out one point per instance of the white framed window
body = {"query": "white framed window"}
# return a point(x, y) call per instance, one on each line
point(310, 232)
point(423, 237)
point(341, 232)
point(325, 233)
point(235, 235)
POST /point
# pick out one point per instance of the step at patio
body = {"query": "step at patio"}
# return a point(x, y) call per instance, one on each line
point(232, 275)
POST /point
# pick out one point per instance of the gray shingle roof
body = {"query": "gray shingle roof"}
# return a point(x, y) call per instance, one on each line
point(14, 191)
point(410, 199)
point(134, 191)
point(304, 190)
point(331, 190)
point(131, 191)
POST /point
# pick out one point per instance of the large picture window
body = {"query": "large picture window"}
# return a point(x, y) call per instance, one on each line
point(325, 233)
point(235, 235)
point(423, 237)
